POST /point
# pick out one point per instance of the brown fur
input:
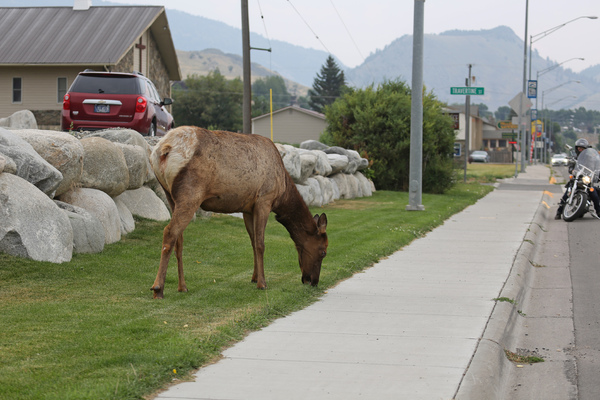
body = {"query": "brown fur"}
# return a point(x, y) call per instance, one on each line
point(228, 172)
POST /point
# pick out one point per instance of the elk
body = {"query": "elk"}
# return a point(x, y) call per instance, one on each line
point(228, 172)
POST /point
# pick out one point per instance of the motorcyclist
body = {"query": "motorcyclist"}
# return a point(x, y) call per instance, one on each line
point(580, 145)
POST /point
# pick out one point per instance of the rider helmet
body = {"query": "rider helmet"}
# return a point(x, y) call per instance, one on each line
point(580, 145)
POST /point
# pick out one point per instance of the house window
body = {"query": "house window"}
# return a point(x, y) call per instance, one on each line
point(17, 89)
point(62, 89)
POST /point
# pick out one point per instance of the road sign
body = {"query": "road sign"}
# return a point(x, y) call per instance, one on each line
point(468, 90)
point(507, 125)
point(532, 89)
point(511, 135)
point(520, 100)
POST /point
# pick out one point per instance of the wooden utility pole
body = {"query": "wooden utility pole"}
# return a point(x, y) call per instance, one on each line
point(247, 105)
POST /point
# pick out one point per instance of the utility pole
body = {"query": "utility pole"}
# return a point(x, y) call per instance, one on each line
point(521, 111)
point(467, 124)
point(247, 98)
point(416, 113)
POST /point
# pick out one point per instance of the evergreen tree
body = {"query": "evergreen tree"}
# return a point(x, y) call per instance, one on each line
point(327, 87)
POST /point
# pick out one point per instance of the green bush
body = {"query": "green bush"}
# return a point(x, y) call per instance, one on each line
point(376, 123)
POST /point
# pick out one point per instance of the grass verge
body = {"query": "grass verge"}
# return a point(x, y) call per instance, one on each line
point(89, 329)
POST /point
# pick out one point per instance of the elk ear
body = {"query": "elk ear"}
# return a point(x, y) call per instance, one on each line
point(321, 222)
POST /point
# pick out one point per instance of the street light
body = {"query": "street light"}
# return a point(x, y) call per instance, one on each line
point(535, 38)
point(553, 67)
point(564, 98)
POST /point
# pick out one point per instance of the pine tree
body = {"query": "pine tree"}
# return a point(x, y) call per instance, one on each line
point(328, 86)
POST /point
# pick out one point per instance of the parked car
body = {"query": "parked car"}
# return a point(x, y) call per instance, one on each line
point(559, 159)
point(480, 156)
point(100, 100)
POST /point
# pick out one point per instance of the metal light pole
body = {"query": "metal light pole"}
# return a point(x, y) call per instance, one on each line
point(535, 38)
point(522, 129)
point(416, 113)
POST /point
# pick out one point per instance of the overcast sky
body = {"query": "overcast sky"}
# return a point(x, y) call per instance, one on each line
point(353, 29)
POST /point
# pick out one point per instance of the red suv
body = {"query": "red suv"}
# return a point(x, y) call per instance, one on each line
point(100, 100)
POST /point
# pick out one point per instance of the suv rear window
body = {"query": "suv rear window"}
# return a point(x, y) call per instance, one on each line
point(116, 84)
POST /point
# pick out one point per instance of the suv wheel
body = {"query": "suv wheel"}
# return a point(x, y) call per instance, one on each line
point(152, 131)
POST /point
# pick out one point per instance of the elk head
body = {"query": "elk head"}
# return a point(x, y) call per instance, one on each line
point(313, 250)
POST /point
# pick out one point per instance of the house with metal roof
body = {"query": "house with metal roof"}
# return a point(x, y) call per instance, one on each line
point(291, 125)
point(44, 48)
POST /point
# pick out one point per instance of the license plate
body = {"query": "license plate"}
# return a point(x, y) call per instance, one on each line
point(101, 108)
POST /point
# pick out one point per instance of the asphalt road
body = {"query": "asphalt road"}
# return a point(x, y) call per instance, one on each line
point(584, 236)
point(562, 314)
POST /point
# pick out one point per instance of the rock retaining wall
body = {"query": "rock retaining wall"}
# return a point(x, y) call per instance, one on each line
point(61, 194)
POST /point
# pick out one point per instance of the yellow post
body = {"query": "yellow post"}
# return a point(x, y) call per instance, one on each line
point(271, 105)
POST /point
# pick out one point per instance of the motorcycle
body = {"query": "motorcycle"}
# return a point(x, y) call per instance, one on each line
point(584, 179)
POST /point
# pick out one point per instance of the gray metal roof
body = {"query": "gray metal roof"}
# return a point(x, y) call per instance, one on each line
point(98, 36)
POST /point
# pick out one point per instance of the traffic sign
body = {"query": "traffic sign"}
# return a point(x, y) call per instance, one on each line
point(507, 125)
point(532, 89)
point(468, 90)
point(509, 135)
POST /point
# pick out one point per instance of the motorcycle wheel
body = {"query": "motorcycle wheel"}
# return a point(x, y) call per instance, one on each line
point(576, 208)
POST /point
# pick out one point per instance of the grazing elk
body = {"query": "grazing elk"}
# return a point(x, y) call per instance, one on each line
point(229, 172)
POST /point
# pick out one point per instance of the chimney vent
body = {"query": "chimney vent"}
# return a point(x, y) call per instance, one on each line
point(82, 5)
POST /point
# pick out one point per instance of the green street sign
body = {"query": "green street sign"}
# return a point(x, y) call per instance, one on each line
point(509, 135)
point(469, 90)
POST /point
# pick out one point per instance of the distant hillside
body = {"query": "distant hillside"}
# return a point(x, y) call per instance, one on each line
point(229, 65)
point(497, 59)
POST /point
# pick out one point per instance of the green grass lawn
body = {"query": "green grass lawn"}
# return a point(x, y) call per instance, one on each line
point(89, 328)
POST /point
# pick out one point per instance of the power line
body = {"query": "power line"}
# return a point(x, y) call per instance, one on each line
point(311, 29)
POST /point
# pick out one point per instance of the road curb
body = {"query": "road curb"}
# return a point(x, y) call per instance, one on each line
point(488, 374)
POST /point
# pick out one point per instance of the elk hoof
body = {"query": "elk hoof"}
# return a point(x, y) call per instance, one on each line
point(158, 292)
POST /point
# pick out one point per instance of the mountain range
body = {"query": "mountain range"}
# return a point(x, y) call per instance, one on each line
point(496, 56)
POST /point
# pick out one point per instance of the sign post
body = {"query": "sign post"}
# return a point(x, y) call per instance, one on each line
point(467, 91)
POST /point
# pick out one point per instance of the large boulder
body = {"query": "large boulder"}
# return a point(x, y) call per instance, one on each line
point(126, 217)
point(132, 138)
point(365, 185)
point(341, 181)
point(23, 119)
point(144, 202)
point(100, 205)
point(326, 189)
point(104, 166)
point(291, 161)
point(338, 162)
point(62, 150)
point(313, 145)
point(29, 164)
point(307, 165)
point(137, 164)
point(7, 165)
point(31, 225)
point(88, 232)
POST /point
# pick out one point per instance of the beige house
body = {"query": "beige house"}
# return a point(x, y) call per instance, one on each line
point(44, 48)
point(291, 125)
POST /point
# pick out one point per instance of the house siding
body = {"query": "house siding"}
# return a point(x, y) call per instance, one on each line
point(290, 126)
point(38, 93)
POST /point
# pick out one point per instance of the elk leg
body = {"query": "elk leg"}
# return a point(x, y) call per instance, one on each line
point(260, 217)
point(174, 230)
point(248, 222)
point(178, 253)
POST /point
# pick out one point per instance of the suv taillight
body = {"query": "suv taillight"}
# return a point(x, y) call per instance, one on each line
point(66, 102)
point(140, 104)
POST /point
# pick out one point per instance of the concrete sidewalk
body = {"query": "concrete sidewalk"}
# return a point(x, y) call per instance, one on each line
point(407, 328)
